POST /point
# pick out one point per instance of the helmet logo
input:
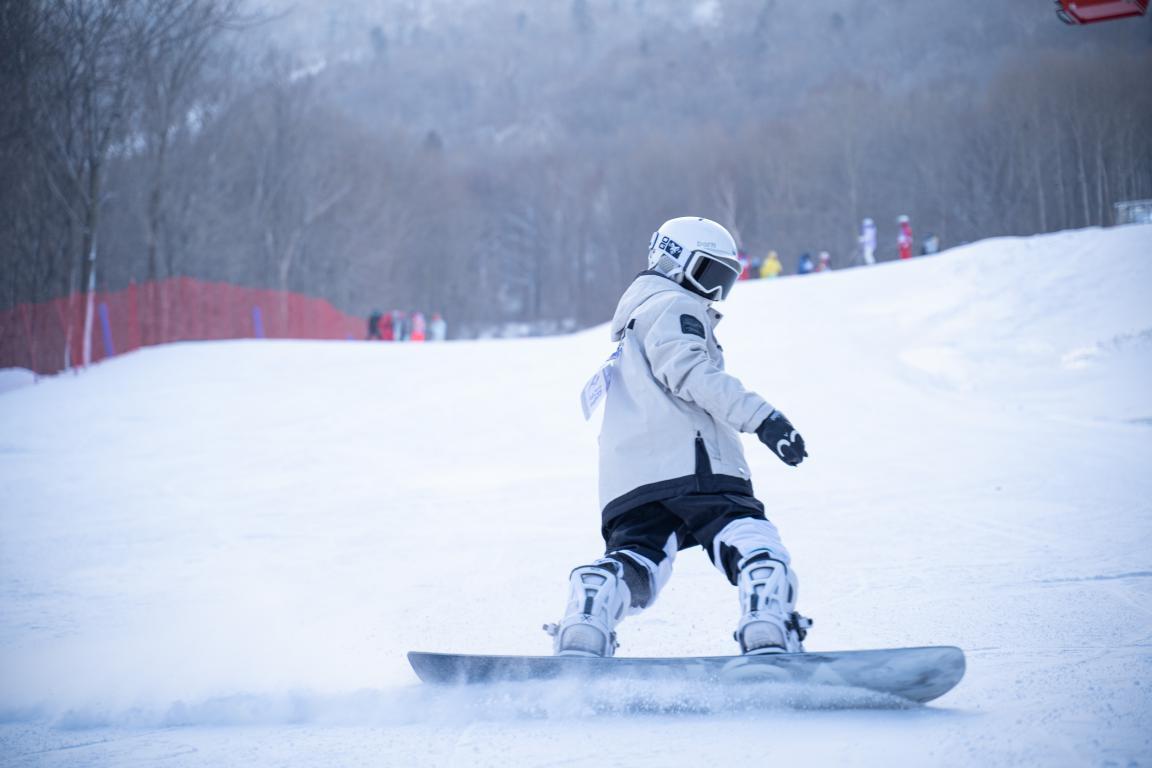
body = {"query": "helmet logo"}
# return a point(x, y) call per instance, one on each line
point(671, 247)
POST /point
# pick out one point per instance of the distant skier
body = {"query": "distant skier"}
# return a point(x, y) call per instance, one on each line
point(755, 267)
point(672, 468)
point(904, 239)
point(868, 241)
point(771, 267)
point(824, 262)
point(437, 328)
point(400, 327)
point(374, 324)
point(805, 265)
point(930, 246)
point(419, 329)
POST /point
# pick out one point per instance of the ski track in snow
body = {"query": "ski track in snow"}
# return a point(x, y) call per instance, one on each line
point(219, 553)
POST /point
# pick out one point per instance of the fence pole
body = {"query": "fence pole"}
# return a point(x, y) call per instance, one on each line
point(257, 322)
point(134, 333)
point(106, 327)
point(25, 312)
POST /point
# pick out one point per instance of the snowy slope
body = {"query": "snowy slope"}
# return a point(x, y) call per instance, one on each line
point(218, 553)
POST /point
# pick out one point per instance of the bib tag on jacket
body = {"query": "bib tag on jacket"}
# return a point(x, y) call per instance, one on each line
point(598, 386)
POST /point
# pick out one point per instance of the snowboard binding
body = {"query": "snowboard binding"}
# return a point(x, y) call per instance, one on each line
point(597, 601)
point(768, 621)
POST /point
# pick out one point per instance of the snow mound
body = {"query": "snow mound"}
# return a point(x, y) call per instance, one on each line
point(254, 533)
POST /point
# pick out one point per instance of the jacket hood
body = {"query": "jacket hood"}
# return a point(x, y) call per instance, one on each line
point(644, 287)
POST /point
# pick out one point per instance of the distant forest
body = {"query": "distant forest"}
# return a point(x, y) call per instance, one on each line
point(505, 163)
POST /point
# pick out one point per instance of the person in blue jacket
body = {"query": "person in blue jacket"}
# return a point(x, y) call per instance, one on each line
point(806, 264)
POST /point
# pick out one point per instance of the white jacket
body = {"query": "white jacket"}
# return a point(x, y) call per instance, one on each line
point(672, 415)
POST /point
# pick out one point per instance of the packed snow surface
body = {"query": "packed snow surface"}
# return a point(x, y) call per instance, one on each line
point(219, 553)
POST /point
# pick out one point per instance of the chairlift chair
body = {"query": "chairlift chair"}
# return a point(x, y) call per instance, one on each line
point(1092, 11)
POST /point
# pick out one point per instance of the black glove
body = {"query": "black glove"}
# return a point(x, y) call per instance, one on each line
point(778, 434)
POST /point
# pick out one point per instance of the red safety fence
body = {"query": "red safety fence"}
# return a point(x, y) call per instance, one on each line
point(48, 337)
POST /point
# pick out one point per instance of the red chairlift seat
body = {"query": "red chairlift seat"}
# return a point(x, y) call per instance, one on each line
point(1091, 11)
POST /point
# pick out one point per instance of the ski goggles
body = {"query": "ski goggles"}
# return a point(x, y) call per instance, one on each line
point(711, 275)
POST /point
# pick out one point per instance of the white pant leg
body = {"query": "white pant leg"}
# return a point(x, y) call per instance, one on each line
point(657, 574)
point(747, 535)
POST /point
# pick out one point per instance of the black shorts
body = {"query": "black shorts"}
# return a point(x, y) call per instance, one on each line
point(695, 519)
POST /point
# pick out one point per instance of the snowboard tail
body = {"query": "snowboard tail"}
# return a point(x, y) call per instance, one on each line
point(916, 674)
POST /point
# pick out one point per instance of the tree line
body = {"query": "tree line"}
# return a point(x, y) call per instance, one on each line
point(506, 168)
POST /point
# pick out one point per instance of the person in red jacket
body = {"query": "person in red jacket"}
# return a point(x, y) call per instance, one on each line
point(386, 331)
point(904, 239)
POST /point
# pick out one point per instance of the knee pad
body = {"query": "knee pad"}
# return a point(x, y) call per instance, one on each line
point(743, 537)
point(645, 578)
point(768, 592)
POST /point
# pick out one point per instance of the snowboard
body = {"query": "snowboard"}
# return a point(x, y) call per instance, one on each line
point(915, 674)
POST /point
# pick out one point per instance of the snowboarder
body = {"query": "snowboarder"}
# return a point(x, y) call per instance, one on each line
point(904, 239)
point(868, 241)
point(672, 468)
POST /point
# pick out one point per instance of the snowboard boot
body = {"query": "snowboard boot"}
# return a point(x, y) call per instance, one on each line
point(768, 623)
point(597, 601)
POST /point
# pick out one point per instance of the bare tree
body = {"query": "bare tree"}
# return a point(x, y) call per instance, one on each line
point(173, 97)
point(510, 161)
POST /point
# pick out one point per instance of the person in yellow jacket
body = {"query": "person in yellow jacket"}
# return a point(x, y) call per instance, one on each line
point(771, 266)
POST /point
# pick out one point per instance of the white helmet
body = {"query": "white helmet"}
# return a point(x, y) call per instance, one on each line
point(697, 253)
